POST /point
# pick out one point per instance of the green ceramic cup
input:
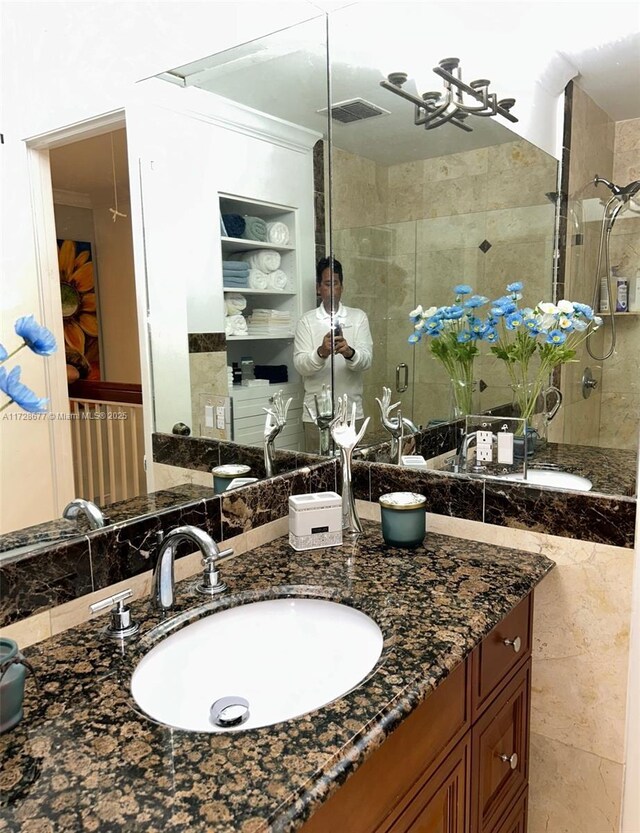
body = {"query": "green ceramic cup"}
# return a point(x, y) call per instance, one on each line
point(12, 674)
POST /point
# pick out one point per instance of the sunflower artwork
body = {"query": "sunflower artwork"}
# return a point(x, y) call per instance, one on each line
point(80, 322)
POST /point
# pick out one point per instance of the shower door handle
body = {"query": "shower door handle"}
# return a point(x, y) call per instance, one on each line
point(402, 386)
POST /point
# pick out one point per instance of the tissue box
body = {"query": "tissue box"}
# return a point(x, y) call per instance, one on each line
point(315, 520)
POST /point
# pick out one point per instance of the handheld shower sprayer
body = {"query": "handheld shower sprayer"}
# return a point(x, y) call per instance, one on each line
point(621, 197)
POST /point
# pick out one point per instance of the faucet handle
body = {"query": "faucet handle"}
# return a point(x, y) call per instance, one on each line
point(121, 625)
point(210, 584)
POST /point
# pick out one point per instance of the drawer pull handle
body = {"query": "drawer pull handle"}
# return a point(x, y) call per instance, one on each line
point(516, 643)
point(512, 760)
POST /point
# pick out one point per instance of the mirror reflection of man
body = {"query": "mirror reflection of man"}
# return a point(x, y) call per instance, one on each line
point(351, 344)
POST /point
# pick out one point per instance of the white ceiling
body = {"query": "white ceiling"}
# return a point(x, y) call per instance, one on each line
point(284, 74)
point(86, 168)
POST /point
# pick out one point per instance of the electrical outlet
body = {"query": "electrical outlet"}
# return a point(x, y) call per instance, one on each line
point(220, 421)
point(484, 447)
point(484, 453)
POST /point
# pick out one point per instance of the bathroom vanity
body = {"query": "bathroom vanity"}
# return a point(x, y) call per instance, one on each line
point(436, 734)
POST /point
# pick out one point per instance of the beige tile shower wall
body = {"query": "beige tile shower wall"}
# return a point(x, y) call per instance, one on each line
point(592, 144)
point(423, 237)
point(620, 416)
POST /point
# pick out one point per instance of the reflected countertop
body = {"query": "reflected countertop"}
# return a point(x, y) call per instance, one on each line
point(82, 759)
point(611, 470)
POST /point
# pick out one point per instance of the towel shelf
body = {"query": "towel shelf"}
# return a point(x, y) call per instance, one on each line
point(242, 291)
point(237, 244)
point(289, 337)
point(265, 345)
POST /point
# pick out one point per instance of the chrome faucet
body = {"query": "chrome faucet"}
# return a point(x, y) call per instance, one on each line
point(77, 506)
point(163, 573)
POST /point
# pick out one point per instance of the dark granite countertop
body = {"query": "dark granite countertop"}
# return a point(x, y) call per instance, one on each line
point(83, 760)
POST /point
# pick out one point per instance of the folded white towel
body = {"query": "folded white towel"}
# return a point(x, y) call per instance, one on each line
point(234, 302)
point(277, 233)
point(277, 280)
point(262, 259)
point(235, 325)
point(258, 279)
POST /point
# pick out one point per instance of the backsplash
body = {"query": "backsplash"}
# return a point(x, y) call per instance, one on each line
point(585, 516)
point(33, 581)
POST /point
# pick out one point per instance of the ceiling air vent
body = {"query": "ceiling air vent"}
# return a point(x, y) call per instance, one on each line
point(355, 109)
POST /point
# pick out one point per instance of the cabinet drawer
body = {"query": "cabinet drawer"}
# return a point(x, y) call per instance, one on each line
point(442, 804)
point(406, 760)
point(500, 766)
point(505, 647)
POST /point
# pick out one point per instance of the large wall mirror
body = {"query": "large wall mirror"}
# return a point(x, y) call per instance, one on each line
point(408, 212)
point(416, 212)
point(262, 158)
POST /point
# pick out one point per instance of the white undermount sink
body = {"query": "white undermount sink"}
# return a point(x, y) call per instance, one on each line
point(551, 477)
point(275, 659)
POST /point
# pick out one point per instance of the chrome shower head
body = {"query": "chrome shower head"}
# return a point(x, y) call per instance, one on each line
point(624, 193)
point(630, 190)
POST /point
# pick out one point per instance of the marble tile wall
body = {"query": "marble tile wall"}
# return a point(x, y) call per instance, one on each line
point(436, 214)
point(590, 152)
point(610, 417)
point(620, 413)
point(208, 374)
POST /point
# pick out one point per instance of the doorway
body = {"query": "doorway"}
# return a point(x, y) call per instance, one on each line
point(96, 298)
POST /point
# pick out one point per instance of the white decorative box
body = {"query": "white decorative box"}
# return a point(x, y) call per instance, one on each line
point(315, 520)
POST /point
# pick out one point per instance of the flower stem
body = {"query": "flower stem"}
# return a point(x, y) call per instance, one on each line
point(24, 344)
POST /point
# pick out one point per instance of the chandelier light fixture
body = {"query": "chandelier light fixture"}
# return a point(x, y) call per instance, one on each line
point(455, 102)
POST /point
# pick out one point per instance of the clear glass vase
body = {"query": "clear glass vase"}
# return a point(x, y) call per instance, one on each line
point(538, 403)
point(465, 398)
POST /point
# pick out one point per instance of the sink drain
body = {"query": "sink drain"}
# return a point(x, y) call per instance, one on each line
point(229, 711)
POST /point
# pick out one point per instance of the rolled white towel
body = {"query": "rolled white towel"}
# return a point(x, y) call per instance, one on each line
point(234, 302)
point(258, 279)
point(277, 233)
point(262, 259)
point(235, 325)
point(278, 280)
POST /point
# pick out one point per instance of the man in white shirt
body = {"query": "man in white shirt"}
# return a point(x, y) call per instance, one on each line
point(314, 343)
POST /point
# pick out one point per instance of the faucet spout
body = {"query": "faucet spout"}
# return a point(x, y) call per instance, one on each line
point(86, 507)
point(163, 573)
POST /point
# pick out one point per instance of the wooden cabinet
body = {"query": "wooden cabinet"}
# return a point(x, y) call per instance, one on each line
point(500, 653)
point(459, 762)
point(500, 742)
point(442, 804)
point(516, 820)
